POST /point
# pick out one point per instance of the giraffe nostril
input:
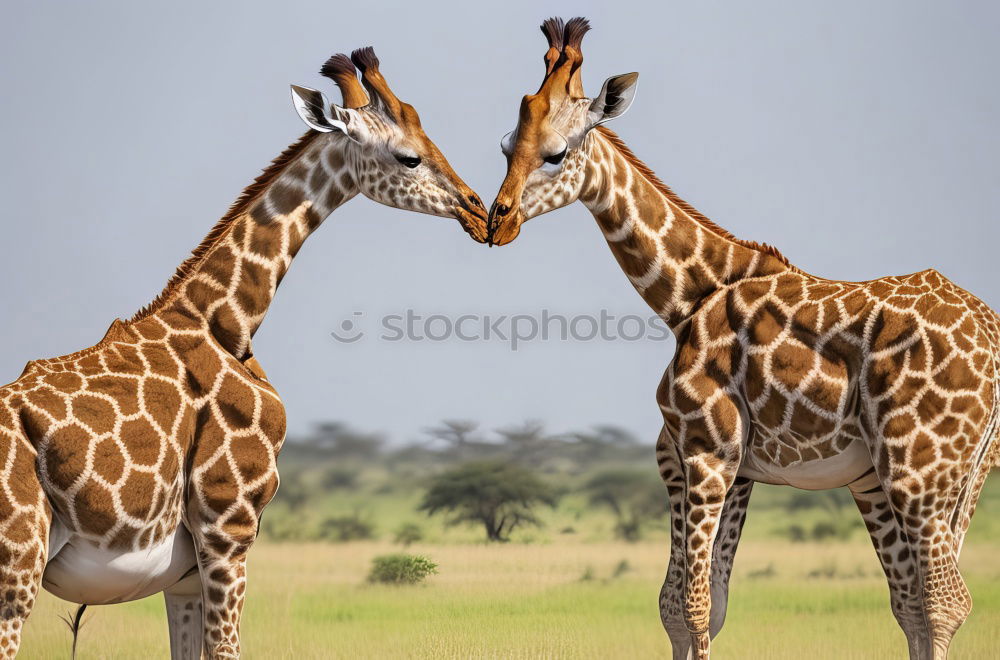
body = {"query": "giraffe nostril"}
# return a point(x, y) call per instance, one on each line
point(478, 203)
point(502, 210)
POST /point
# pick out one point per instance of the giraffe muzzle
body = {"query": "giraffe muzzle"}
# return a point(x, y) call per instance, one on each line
point(471, 213)
point(504, 223)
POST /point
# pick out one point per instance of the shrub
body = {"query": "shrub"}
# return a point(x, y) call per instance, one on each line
point(339, 478)
point(828, 570)
point(621, 569)
point(282, 528)
point(824, 530)
point(293, 493)
point(408, 533)
point(766, 572)
point(346, 528)
point(401, 568)
point(635, 497)
point(795, 533)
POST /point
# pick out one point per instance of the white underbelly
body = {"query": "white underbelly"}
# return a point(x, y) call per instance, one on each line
point(81, 572)
point(834, 472)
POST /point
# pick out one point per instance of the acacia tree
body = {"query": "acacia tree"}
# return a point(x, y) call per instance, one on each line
point(496, 494)
point(634, 496)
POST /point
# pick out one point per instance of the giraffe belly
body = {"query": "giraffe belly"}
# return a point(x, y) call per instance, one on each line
point(839, 470)
point(81, 572)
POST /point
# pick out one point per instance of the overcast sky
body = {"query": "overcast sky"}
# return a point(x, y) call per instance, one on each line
point(859, 137)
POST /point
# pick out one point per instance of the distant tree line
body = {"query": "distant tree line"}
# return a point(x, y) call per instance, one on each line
point(494, 480)
point(456, 441)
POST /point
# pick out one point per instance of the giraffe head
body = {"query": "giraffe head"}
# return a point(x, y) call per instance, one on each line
point(547, 153)
point(386, 150)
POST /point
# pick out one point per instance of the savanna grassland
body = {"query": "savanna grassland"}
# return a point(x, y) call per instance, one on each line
point(806, 582)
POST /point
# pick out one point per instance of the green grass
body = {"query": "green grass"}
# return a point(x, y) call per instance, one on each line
point(528, 601)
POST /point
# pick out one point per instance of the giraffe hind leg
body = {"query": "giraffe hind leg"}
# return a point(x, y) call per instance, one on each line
point(899, 564)
point(185, 618)
point(924, 517)
point(727, 539)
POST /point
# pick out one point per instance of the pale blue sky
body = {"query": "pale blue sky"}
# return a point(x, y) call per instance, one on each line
point(861, 138)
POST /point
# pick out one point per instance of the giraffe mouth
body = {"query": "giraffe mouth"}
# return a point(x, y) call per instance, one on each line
point(471, 214)
point(504, 224)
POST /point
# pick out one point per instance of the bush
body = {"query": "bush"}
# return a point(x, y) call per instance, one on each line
point(346, 528)
point(621, 569)
point(795, 533)
point(766, 572)
point(635, 497)
point(339, 478)
point(282, 528)
point(408, 533)
point(401, 569)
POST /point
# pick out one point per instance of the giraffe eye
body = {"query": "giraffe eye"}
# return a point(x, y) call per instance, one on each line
point(555, 159)
point(409, 161)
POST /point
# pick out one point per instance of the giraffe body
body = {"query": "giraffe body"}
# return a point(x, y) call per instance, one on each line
point(80, 572)
point(889, 387)
point(833, 471)
point(142, 464)
point(108, 447)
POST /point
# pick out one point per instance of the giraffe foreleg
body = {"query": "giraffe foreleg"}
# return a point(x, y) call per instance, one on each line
point(224, 516)
point(709, 445)
point(724, 549)
point(222, 569)
point(25, 517)
point(672, 592)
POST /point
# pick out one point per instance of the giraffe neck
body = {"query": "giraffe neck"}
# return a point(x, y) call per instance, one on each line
point(674, 256)
point(229, 281)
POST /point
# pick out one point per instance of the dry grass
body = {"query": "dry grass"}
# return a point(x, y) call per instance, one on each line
point(528, 601)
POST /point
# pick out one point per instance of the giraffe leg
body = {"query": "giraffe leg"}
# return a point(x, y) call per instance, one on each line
point(899, 564)
point(24, 529)
point(672, 592)
point(923, 513)
point(223, 586)
point(946, 600)
point(228, 496)
point(184, 617)
point(708, 445)
point(727, 539)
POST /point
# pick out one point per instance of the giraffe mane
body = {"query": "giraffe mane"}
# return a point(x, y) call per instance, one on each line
point(221, 228)
point(695, 214)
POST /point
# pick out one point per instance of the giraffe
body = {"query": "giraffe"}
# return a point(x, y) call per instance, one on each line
point(142, 464)
point(888, 387)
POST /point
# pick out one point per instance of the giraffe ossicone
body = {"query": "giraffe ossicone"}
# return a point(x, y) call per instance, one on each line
point(142, 464)
point(889, 387)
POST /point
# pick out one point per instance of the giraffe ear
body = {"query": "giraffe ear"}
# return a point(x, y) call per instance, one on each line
point(314, 110)
point(615, 98)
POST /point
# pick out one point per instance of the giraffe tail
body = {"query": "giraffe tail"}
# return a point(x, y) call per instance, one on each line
point(75, 623)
